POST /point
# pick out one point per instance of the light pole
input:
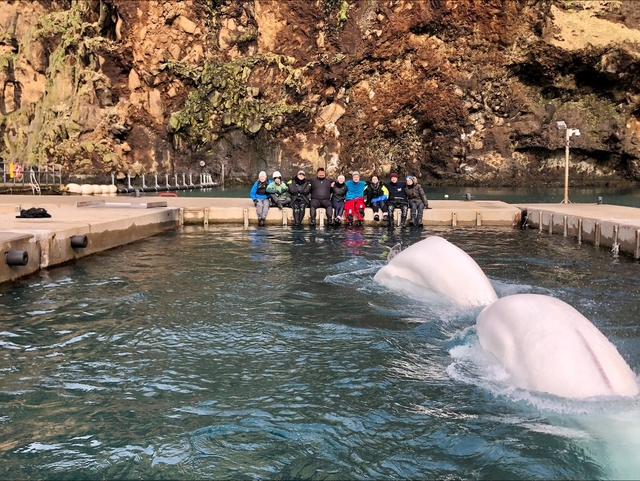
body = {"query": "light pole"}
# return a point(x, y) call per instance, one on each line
point(569, 132)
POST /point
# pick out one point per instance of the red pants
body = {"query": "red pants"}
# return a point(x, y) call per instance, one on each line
point(355, 207)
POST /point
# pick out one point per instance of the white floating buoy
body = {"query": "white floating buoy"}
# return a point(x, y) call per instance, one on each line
point(446, 196)
point(113, 189)
point(96, 189)
point(104, 189)
point(74, 188)
point(86, 189)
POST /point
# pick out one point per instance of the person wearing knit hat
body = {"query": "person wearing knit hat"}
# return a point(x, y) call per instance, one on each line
point(338, 194)
point(417, 200)
point(354, 204)
point(397, 199)
point(299, 188)
point(260, 197)
point(278, 191)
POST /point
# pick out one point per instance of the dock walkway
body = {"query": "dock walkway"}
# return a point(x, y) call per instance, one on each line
point(82, 225)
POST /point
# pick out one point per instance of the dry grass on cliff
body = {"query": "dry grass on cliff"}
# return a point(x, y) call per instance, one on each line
point(576, 29)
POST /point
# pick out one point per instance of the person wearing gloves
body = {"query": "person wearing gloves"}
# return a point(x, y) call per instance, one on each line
point(278, 191)
point(260, 197)
point(338, 193)
point(376, 198)
point(397, 199)
point(417, 200)
point(354, 205)
point(299, 188)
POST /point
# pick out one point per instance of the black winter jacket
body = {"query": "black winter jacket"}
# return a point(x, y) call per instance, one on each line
point(339, 191)
point(300, 189)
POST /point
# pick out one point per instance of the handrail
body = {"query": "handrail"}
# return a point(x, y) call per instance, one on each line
point(171, 182)
point(43, 174)
point(33, 182)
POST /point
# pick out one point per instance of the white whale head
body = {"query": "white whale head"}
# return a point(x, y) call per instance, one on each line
point(548, 346)
point(443, 268)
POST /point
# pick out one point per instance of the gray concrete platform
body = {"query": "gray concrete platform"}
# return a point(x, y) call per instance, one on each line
point(111, 221)
point(221, 210)
point(613, 226)
point(47, 241)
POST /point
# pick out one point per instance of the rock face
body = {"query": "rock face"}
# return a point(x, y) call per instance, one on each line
point(450, 91)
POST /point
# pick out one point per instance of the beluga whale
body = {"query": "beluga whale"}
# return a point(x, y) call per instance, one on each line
point(439, 266)
point(546, 345)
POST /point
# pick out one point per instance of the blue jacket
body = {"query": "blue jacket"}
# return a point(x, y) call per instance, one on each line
point(355, 190)
point(255, 195)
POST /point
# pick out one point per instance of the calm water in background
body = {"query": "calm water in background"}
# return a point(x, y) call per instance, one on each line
point(616, 196)
point(272, 353)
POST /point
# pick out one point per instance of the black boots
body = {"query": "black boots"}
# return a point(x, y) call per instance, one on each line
point(298, 215)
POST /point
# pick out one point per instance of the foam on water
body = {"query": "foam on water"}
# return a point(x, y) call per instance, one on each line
point(608, 427)
point(212, 363)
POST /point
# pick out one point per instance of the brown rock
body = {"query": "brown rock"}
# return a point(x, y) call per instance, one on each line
point(155, 104)
point(134, 80)
point(331, 113)
point(185, 24)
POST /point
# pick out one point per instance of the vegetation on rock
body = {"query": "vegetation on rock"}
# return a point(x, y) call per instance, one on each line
point(452, 93)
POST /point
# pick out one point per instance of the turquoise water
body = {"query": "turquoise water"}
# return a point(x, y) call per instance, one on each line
point(271, 353)
point(616, 196)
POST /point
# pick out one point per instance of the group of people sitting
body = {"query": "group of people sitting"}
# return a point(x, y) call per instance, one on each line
point(344, 201)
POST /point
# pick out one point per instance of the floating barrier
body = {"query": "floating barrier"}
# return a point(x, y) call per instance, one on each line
point(205, 181)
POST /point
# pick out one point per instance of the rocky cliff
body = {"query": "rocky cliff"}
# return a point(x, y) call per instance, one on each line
point(453, 91)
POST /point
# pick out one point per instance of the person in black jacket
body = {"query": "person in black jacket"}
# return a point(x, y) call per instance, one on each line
point(376, 196)
point(321, 196)
point(417, 200)
point(338, 193)
point(397, 199)
point(299, 188)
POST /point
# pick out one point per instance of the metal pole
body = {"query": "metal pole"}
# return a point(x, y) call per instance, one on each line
point(566, 167)
point(222, 183)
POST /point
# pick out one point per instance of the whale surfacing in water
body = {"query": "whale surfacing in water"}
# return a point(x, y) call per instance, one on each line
point(443, 268)
point(548, 346)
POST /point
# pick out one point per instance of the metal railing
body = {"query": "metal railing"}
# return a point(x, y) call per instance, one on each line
point(40, 174)
point(202, 181)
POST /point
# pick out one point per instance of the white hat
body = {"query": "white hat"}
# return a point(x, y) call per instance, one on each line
point(276, 174)
point(262, 174)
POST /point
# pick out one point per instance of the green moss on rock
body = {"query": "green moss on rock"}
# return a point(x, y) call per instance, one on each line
point(224, 99)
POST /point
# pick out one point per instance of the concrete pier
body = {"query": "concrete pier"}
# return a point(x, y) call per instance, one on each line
point(612, 226)
point(111, 221)
point(46, 242)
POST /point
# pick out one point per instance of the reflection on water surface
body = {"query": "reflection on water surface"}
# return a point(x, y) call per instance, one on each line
point(271, 353)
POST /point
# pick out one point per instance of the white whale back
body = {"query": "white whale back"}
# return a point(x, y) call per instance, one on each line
point(548, 346)
point(442, 267)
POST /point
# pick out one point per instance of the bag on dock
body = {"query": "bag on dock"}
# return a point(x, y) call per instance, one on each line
point(33, 213)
